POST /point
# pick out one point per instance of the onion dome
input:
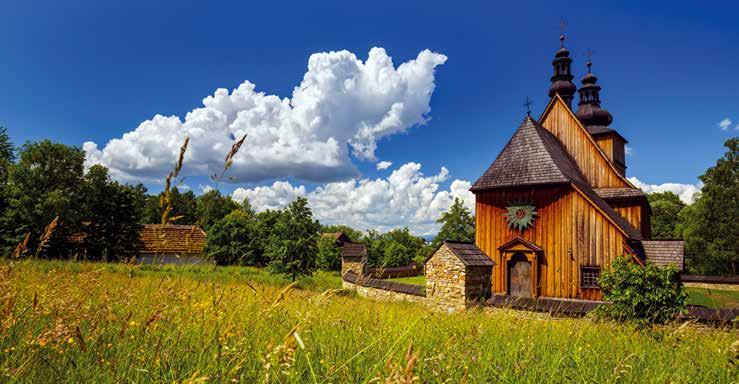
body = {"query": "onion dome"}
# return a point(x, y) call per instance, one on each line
point(589, 111)
point(562, 80)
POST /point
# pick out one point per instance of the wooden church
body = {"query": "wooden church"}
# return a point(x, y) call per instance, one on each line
point(555, 208)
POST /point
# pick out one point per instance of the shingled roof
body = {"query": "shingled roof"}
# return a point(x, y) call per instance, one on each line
point(534, 156)
point(352, 250)
point(469, 254)
point(665, 252)
point(619, 193)
point(171, 239)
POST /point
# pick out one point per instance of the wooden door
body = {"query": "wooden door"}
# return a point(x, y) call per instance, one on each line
point(519, 276)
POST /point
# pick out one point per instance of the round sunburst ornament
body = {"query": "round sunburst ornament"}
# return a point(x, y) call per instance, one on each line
point(520, 215)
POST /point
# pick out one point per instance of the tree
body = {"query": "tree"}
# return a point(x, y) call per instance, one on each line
point(404, 247)
point(43, 184)
point(329, 254)
point(234, 239)
point(110, 215)
point(7, 156)
point(643, 294)
point(212, 206)
point(293, 244)
point(184, 208)
point(458, 224)
point(396, 254)
point(666, 207)
point(709, 226)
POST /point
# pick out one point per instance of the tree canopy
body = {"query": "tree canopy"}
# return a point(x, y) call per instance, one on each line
point(709, 226)
point(293, 244)
point(666, 207)
point(457, 224)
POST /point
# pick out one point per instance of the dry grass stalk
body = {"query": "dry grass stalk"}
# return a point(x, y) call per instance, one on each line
point(165, 202)
point(22, 248)
point(46, 236)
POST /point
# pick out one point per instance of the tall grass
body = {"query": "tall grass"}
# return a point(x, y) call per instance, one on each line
point(95, 322)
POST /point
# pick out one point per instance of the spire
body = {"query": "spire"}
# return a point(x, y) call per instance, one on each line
point(562, 79)
point(589, 111)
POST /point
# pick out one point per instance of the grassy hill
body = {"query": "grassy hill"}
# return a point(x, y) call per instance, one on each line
point(89, 322)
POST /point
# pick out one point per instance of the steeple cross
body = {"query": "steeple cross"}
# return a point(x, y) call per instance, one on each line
point(589, 53)
point(562, 28)
point(528, 104)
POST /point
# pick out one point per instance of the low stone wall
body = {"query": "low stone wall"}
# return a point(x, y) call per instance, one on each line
point(382, 289)
point(395, 272)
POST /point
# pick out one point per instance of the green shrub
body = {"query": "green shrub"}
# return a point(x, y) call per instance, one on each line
point(646, 295)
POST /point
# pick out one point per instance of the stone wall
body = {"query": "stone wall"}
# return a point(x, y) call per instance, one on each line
point(445, 281)
point(382, 294)
point(357, 265)
point(382, 289)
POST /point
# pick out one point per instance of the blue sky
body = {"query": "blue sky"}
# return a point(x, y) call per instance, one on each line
point(88, 72)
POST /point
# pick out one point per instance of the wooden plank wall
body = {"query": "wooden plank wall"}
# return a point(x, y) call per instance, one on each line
point(578, 143)
point(636, 215)
point(570, 230)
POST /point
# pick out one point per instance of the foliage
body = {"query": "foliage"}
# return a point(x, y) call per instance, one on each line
point(395, 248)
point(644, 294)
point(43, 184)
point(292, 244)
point(240, 324)
point(355, 235)
point(234, 239)
point(211, 207)
point(329, 254)
point(666, 207)
point(709, 226)
point(184, 208)
point(7, 156)
point(110, 214)
point(457, 224)
point(395, 254)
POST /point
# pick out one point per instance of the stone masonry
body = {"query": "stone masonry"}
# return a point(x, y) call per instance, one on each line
point(457, 275)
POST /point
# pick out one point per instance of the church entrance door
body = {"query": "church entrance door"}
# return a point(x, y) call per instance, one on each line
point(519, 276)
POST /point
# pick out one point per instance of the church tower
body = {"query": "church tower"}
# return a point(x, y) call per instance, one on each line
point(562, 78)
point(596, 120)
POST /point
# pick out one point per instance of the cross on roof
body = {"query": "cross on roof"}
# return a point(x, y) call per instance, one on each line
point(589, 54)
point(528, 104)
point(562, 27)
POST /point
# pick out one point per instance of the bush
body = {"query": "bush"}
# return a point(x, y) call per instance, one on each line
point(646, 295)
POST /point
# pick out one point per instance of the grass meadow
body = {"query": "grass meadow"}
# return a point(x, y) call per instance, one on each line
point(93, 322)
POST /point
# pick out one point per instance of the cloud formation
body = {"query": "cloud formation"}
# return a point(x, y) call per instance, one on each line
point(686, 192)
point(384, 165)
point(406, 197)
point(341, 102)
point(725, 124)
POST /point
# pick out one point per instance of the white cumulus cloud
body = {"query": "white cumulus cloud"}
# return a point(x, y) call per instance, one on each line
point(341, 102)
point(406, 197)
point(384, 165)
point(724, 124)
point(686, 192)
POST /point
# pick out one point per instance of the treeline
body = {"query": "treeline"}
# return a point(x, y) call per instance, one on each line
point(51, 206)
point(709, 226)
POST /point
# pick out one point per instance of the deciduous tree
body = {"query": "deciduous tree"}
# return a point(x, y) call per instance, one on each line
point(293, 244)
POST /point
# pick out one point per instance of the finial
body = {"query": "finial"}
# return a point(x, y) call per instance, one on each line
point(528, 104)
point(590, 61)
point(562, 27)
